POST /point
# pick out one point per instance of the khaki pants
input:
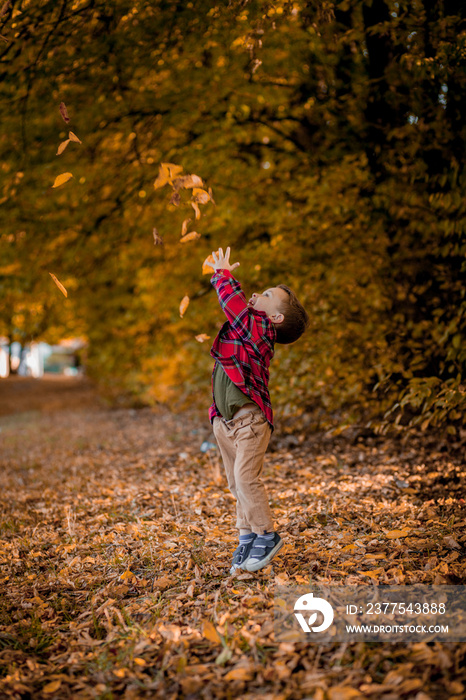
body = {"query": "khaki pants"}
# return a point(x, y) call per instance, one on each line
point(243, 442)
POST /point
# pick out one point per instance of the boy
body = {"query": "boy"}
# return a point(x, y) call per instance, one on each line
point(241, 412)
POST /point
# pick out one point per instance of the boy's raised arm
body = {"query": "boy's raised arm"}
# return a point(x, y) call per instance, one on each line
point(231, 296)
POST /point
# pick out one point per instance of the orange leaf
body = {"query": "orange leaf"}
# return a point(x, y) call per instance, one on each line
point(201, 195)
point(139, 661)
point(163, 177)
point(184, 305)
point(51, 687)
point(200, 338)
point(127, 575)
point(173, 169)
point(240, 673)
point(394, 534)
point(190, 237)
point(197, 210)
point(210, 633)
point(188, 181)
point(73, 137)
point(184, 227)
point(59, 284)
point(62, 147)
point(206, 270)
point(61, 179)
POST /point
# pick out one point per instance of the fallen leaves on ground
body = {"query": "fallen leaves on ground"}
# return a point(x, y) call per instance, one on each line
point(116, 540)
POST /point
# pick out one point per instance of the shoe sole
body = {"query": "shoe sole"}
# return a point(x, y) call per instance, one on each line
point(255, 566)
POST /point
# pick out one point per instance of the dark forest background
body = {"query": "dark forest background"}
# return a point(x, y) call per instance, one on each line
point(332, 136)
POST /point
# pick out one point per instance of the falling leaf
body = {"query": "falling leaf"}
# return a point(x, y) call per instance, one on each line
point(200, 338)
point(210, 633)
point(394, 534)
point(190, 237)
point(187, 181)
point(200, 195)
point(184, 226)
point(120, 672)
point(64, 112)
point(139, 662)
point(175, 199)
point(61, 179)
point(62, 147)
point(196, 209)
point(59, 284)
point(173, 170)
point(184, 305)
point(157, 239)
point(73, 137)
point(162, 178)
point(51, 687)
point(206, 269)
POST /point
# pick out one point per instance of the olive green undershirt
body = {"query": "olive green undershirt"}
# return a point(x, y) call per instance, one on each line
point(228, 398)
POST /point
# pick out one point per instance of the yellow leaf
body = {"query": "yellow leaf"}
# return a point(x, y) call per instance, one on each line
point(200, 338)
point(240, 673)
point(120, 672)
point(184, 305)
point(173, 169)
point(192, 236)
point(73, 137)
point(62, 147)
point(163, 177)
point(184, 227)
point(394, 534)
point(61, 179)
point(200, 195)
point(139, 661)
point(197, 210)
point(59, 285)
point(210, 633)
point(51, 687)
point(206, 269)
point(127, 575)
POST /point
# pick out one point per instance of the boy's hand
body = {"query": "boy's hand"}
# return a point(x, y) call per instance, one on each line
point(221, 261)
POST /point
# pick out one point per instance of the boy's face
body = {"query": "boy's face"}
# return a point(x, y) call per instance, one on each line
point(271, 301)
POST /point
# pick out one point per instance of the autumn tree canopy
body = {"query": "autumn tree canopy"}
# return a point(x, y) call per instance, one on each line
point(332, 139)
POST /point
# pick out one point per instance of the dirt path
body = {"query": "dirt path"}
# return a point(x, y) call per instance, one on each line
point(116, 536)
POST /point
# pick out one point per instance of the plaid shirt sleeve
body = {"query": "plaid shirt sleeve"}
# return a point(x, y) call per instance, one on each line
point(252, 326)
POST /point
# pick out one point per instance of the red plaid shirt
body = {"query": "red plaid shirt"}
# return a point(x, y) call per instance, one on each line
point(244, 345)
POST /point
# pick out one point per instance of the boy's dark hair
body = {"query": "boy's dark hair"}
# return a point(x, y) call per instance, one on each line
point(296, 318)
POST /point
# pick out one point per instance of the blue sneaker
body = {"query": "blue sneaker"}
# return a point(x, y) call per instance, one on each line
point(241, 554)
point(263, 551)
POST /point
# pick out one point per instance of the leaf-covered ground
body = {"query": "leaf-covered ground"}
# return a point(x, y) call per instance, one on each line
point(116, 537)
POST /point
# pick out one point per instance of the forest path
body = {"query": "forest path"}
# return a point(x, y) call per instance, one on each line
point(117, 533)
